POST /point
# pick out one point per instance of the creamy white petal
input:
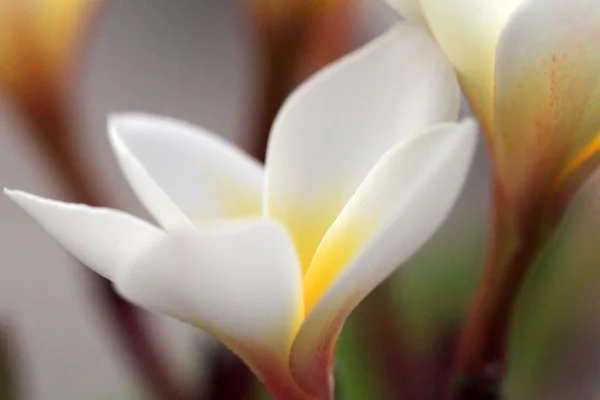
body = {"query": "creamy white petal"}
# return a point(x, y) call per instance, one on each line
point(103, 239)
point(239, 281)
point(334, 128)
point(182, 173)
point(398, 207)
point(547, 99)
point(468, 31)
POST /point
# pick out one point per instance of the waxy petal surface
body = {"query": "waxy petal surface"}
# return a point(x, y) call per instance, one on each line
point(547, 89)
point(184, 175)
point(399, 206)
point(239, 281)
point(103, 239)
point(335, 127)
point(468, 32)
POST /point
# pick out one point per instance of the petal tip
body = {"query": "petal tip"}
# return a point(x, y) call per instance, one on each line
point(21, 198)
point(118, 122)
point(9, 192)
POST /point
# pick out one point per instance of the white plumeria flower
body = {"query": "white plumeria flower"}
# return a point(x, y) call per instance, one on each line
point(364, 163)
point(530, 69)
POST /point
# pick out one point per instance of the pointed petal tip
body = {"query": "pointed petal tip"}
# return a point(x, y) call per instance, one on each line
point(139, 118)
point(119, 122)
point(27, 200)
point(101, 238)
point(22, 199)
point(123, 116)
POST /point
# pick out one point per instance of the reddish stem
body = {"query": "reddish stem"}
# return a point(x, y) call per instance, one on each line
point(481, 354)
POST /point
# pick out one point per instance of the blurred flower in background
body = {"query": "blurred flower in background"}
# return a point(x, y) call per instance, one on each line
point(530, 71)
point(41, 46)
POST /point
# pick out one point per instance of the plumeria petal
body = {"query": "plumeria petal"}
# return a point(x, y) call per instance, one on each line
point(183, 174)
point(239, 281)
point(105, 240)
point(468, 31)
point(547, 87)
point(398, 207)
point(335, 127)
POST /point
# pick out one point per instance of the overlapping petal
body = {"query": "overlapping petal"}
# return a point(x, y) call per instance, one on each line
point(240, 281)
point(185, 175)
point(332, 130)
point(468, 31)
point(397, 208)
point(103, 239)
point(547, 98)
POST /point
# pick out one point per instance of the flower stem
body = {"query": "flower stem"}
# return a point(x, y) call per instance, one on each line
point(481, 354)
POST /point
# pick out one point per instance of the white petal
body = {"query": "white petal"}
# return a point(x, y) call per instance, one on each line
point(334, 128)
point(468, 31)
point(105, 240)
point(182, 173)
point(240, 281)
point(399, 206)
point(547, 88)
